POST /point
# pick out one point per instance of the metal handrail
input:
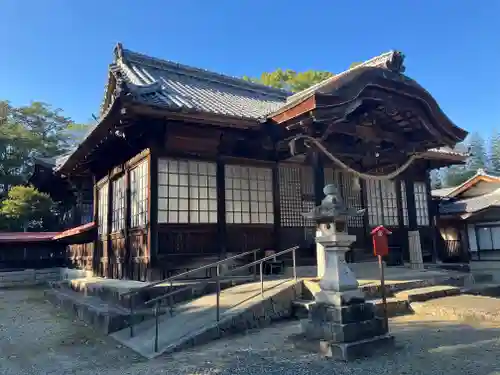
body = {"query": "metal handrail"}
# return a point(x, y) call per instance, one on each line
point(184, 274)
point(214, 279)
point(259, 262)
point(171, 279)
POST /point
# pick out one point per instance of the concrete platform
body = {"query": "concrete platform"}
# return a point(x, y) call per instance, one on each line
point(465, 308)
point(427, 293)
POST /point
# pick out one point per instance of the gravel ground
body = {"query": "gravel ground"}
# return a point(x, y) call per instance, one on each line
point(36, 338)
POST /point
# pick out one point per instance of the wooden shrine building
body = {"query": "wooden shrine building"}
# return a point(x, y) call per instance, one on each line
point(187, 165)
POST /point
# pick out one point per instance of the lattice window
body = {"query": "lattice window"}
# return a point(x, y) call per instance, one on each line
point(421, 203)
point(102, 209)
point(139, 195)
point(249, 195)
point(118, 205)
point(187, 191)
point(290, 196)
point(351, 196)
point(296, 195)
point(382, 203)
point(404, 204)
point(308, 197)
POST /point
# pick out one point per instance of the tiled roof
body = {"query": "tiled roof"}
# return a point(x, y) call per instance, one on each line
point(328, 85)
point(471, 205)
point(442, 192)
point(448, 151)
point(26, 236)
point(180, 87)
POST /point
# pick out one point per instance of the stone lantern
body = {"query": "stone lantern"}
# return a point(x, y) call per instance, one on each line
point(341, 324)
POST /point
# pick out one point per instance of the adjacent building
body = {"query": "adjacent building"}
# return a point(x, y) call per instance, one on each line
point(469, 217)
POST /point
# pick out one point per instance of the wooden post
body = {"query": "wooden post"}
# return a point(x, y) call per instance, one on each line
point(128, 267)
point(319, 177)
point(276, 207)
point(96, 256)
point(109, 252)
point(152, 226)
point(221, 207)
point(382, 287)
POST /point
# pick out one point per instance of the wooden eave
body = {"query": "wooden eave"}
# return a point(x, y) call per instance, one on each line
point(144, 109)
point(370, 90)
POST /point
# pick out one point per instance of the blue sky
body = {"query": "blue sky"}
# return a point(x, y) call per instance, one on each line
point(58, 51)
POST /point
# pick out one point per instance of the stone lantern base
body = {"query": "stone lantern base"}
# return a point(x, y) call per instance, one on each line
point(343, 332)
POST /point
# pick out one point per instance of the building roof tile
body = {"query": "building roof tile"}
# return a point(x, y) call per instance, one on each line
point(176, 86)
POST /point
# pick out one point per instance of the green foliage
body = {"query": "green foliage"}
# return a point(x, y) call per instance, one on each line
point(478, 158)
point(291, 80)
point(36, 130)
point(25, 207)
point(436, 179)
point(494, 152)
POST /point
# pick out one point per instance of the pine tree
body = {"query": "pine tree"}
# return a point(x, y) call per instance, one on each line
point(494, 154)
point(478, 156)
point(436, 179)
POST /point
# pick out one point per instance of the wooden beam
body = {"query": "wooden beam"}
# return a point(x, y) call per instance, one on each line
point(295, 111)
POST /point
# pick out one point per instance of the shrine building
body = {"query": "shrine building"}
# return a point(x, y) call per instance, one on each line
point(186, 166)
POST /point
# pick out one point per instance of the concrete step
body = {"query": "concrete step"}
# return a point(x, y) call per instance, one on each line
point(465, 308)
point(482, 277)
point(395, 307)
point(241, 308)
point(427, 293)
point(373, 291)
point(101, 315)
point(483, 289)
point(113, 290)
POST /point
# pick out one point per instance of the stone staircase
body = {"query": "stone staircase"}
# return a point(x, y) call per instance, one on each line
point(192, 320)
point(101, 302)
point(401, 297)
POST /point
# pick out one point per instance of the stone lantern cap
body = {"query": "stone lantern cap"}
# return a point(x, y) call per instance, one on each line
point(332, 208)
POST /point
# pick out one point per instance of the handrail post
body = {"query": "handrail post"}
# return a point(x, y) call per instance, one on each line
point(170, 299)
point(218, 294)
point(255, 266)
point(294, 260)
point(131, 318)
point(261, 266)
point(156, 308)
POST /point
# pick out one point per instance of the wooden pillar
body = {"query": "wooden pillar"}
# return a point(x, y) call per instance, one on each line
point(319, 177)
point(431, 209)
point(128, 266)
point(109, 252)
point(221, 207)
point(276, 207)
point(96, 256)
point(152, 250)
point(412, 212)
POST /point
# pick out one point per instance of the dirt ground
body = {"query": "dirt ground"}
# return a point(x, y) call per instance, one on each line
point(36, 338)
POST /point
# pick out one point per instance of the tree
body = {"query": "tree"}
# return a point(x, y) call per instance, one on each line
point(436, 179)
point(494, 154)
point(25, 208)
point(291, 80)
point(36, 130)
point(478, 156)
